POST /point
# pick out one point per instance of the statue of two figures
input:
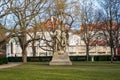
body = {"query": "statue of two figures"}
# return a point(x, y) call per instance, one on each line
point(60, 56)
point(60, 41)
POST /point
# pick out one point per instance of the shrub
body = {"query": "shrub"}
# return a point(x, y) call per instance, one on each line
point(3, 60)
point(15, 59)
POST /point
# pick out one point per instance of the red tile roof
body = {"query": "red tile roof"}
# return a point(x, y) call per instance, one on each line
point(98, 42)
point(100, 26)
point(47, 25)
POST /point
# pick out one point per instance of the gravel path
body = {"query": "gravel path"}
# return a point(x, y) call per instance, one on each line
point(9, 65)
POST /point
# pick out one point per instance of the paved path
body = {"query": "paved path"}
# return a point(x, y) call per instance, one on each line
point(9, 65)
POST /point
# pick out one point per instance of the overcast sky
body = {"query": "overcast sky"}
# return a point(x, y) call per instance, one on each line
point(10, 18)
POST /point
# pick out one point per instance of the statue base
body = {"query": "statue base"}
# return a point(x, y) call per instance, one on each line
point(60, 58)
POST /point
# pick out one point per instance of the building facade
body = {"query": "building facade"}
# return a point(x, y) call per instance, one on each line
point(76, 45)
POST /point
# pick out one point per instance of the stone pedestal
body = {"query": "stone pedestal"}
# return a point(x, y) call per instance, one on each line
point(60, 58)
point(92, 58)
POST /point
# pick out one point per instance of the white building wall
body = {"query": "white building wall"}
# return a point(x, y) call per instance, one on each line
point(76, 47)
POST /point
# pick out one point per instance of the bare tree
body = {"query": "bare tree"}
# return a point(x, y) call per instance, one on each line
point(111, 23)
point(88, 17)
point(3, 37)
point(58, 18)
point(5, 8)
point(5, 32)
point(25, 12)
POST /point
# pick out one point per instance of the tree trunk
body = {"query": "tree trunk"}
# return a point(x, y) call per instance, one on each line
point(24, 56)
point(111, 46)
point(111, 56)
point(114, 49)
point(87, 53)
point(33, 48)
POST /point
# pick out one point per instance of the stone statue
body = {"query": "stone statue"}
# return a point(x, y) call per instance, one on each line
point(60, 41)
point(60, 56)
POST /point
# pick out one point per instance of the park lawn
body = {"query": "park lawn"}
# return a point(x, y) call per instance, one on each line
point(78, 71)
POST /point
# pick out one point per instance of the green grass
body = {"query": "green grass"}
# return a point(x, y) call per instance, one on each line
point(78, 71)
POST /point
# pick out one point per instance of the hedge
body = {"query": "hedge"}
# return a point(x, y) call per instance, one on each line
point(30, 59)
point(72, 58)
point(3, 60)
point(14, 59)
